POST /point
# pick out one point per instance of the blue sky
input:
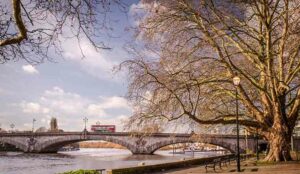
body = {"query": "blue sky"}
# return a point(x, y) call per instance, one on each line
point(70, 89)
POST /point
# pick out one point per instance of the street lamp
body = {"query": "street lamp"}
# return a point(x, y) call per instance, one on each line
point(12, 127)
point(257, 154)
point(236, 82)
point(85, 121)
point(246, 139)
point(193, 127)
point(33, 120)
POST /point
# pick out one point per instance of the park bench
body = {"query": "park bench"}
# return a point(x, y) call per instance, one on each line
point(226, 160)
point(213, 164)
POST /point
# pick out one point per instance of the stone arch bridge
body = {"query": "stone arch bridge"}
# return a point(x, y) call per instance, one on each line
point(136, 143)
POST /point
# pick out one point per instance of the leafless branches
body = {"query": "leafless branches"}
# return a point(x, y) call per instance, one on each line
point(34, 29)
point(202, 45)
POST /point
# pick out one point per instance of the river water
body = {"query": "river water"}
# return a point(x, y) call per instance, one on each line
point(85, 158)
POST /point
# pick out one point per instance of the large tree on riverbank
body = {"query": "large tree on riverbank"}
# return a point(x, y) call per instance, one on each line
point(35, 29)
point(201, 45)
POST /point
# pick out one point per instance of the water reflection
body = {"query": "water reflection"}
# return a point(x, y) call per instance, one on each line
point(22, 163)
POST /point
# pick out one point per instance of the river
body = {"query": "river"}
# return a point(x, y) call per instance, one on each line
point(85, 158)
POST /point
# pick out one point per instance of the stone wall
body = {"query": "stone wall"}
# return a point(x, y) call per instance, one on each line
point(164, 166)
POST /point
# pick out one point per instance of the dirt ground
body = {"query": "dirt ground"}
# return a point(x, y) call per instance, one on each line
point(248, 166)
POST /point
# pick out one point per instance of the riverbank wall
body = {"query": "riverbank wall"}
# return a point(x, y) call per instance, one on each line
point(165, 166)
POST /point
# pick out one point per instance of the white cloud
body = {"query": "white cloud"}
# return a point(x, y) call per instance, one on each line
point(33, 108)
point(95, 63)
point(70, 108)
point(30, 69)
point(138, 12)
point(45, 110)
point(137, 8)
point(30, 107)
point(27, 126)
point(63, 102)
point(55, 91)
point(2, 91)
point(95, 110)
point(6, 92)
point(113, 102)
point(43, 120)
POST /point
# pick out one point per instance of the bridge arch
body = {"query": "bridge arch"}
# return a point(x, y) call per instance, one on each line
point(137, 144)
point(161, 144)
point(54, 145)
point(17, 144)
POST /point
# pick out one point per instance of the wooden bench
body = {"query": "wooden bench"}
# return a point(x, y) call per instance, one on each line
point(213, 164)
point(226, 160)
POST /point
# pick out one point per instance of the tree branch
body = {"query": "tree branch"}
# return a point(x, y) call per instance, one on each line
point(19, 22)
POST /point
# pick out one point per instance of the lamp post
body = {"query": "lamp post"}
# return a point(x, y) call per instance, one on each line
point(257, 155)
point(246, 139)
point(236, 82)
point(12, 127)
point(33, 120)
point(292, 141)
point(193, 127)
point(85, 121)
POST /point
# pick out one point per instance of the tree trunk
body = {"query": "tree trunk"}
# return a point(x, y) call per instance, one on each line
point(279, 147)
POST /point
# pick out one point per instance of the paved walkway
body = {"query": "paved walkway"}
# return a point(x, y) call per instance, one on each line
point(248, 167)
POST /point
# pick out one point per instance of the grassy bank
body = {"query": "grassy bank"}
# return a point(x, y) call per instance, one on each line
point(82, 172)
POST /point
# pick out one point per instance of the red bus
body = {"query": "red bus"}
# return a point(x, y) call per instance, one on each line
point(103, 128)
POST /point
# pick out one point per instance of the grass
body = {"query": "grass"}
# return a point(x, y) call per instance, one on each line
point(82, 172)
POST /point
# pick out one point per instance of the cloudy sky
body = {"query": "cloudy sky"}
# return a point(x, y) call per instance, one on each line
point(70, 89)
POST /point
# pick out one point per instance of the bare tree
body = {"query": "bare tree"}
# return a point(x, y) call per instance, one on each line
point(192, 51)
point(144, 127)
point(30, 29)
